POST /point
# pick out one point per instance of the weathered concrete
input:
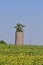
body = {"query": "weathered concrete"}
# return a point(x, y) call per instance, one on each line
point(19, 38)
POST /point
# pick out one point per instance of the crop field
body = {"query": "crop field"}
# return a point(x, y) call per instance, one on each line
point(21, 54)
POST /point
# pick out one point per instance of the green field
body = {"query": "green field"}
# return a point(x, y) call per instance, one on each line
point(21, 54)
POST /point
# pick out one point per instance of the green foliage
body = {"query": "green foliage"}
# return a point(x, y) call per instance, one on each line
point(2, 42)
point(21, 55)
point(19, 27)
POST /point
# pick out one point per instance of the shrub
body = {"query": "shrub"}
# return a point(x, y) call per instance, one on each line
point(2, 42)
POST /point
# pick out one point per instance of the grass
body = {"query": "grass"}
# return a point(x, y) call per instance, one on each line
point(21, 54)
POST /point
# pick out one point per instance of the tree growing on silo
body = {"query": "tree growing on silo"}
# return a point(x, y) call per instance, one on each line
point(19, 34)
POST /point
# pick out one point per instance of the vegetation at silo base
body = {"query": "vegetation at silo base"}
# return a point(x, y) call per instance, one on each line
point(11, 54)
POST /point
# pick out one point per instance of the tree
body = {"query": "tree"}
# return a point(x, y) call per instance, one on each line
point(2, 42)
point(19, 27)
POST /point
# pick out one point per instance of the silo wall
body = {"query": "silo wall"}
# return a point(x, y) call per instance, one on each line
point(19, 38)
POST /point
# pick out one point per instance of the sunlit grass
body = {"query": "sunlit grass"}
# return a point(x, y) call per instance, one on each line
point(21, 54)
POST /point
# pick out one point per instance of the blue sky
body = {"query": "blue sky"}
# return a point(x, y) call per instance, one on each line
point(27, 12)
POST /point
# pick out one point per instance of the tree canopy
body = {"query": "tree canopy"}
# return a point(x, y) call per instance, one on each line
point(19, 27)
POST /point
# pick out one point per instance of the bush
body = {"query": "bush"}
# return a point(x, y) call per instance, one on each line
point(2, 42)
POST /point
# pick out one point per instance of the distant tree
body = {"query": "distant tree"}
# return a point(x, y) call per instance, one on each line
point(2, 42)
